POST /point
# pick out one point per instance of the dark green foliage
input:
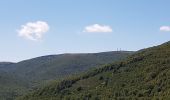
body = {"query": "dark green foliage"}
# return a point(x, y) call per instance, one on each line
point(143, 76)
point(24, 76)
point(79, 88)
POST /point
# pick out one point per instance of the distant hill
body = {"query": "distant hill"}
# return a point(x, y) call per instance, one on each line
point(5, 64)
point(143, 76)
point(18, 78)
point(58, 66)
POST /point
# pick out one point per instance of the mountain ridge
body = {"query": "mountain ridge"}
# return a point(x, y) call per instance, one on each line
point(29, 74)
point(142, 76)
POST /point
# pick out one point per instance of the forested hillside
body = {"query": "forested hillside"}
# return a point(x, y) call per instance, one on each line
point(143, 76)
point(58, 66)
point(19, 78)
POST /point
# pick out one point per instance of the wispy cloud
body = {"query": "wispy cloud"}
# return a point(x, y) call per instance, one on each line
point(165, 28)
point(33, 30)
point(96, 28)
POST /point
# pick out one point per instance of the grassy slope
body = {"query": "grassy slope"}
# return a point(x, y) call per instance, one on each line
point(143, 76)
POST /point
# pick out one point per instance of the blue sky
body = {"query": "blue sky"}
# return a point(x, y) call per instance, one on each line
point(80, 26)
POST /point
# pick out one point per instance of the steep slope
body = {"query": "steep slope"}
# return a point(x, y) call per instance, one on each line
point(143, 76)
point(18, 78)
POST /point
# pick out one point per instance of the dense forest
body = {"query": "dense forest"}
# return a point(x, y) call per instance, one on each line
point(19, 78)
point(145, 75)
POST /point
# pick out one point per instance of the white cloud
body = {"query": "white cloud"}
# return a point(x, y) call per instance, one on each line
point(96, 28)
point(33, 30)
point(165, 28)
